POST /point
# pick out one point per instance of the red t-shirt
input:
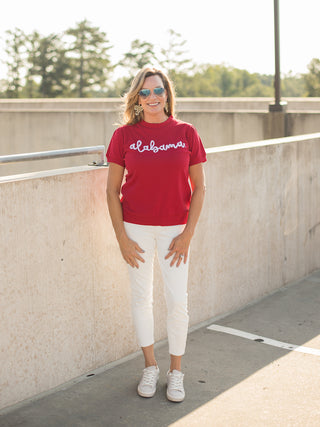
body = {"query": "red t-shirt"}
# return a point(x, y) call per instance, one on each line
point(157, 157)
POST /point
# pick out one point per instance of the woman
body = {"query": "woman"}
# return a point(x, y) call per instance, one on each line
point(156, 207)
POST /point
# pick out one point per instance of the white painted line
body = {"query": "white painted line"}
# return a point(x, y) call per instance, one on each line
point(264, 340)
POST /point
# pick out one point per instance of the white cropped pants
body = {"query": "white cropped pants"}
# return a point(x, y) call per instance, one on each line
point(150, 238)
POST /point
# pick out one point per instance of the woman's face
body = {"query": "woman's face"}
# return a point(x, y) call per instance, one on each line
point(153, 105)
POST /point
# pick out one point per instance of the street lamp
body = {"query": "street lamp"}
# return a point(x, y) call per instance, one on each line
point(278, 105)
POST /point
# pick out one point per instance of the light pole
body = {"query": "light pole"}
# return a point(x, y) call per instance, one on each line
point(278, 105)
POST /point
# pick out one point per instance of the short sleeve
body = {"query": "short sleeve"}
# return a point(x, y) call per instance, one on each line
point(198, 154)
point(115, 152)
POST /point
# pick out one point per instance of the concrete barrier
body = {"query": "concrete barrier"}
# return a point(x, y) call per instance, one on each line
point(65, 299)
point(300, 123)
point(52, 124)
point(209, 103)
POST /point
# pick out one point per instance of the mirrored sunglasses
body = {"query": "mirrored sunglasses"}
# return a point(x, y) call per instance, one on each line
point(144, 93)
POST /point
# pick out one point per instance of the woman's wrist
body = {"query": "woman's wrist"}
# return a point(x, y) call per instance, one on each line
point(122, 236)
point(188, 231)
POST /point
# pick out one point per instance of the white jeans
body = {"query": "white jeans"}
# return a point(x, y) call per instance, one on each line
point(175, 280)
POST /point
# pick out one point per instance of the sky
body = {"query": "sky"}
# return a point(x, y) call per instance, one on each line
point(237, 33)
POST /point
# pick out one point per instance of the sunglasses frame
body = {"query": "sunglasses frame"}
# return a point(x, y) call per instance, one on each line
point(145, 93)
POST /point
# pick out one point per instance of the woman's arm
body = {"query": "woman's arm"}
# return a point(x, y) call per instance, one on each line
point(180, 244)
point(130, 250)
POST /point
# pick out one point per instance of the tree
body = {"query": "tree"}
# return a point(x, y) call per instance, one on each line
point(88, 54)
point(118, 88)
point(3, 88)
point(293, 85)
point(312, 79)
point(141, 54)
point(219, 80)
point(174, 59)
point(16, 51)
point(48, 65)
point(77, 64)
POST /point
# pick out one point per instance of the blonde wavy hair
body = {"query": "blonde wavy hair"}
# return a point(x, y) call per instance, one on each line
point(132, 97)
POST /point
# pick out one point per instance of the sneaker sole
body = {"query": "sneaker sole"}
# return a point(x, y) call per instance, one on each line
point(175, 399)
point(142, 394)
point(145, 394)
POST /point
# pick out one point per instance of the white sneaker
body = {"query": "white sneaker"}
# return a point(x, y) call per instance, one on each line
point(175, 390)
point(148, 383)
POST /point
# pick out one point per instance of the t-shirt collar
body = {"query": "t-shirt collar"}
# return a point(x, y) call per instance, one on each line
point(156, 125)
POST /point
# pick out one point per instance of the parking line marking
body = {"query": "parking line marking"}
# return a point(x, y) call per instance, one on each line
point(264, 340)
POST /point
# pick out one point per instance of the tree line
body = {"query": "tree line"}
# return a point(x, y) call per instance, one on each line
point(77, 63)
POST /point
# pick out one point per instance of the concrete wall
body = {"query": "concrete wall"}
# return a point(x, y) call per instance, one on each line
point(210, 103)
point(300, 123)
point(39, 125)
point(65, 299)
point(42, 130)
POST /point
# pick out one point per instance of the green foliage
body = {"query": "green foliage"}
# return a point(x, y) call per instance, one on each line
point(312, 79)
point(292, 86)
point(47, 75)
point(174, 59)
point(73, 64)
point(220, 81)
point(119, 87)
point(89, 59)
point(141, 54)
point(77, 64)
point(16, 51)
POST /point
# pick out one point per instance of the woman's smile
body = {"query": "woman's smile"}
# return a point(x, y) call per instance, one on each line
point(154, 104)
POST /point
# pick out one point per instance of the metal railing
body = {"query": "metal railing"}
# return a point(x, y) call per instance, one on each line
point(54, 154)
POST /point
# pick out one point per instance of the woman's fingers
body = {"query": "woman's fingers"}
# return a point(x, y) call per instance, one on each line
point(178, 258)
point(131, 252)
point(138, 249)
point(172, 249)
point(178, 248)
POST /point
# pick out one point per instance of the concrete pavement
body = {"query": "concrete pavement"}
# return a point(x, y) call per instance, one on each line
point(229, 380)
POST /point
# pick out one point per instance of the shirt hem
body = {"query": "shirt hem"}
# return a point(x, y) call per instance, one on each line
point(161, 223)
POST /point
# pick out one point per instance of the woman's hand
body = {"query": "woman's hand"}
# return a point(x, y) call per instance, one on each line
point(130, 251)
point(179, 249)
point(179, 246)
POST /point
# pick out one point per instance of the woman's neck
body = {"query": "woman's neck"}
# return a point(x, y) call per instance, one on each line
point(149, 118)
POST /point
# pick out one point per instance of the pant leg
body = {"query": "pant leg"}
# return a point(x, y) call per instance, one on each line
point(141, 280)
point(176, 293)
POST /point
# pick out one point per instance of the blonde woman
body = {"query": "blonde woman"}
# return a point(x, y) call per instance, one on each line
point(158, 210)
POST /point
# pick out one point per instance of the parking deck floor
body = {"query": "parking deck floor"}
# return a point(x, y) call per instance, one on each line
point(259, 366)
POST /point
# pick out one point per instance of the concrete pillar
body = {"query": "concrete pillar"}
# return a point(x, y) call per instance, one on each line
point(275, 125)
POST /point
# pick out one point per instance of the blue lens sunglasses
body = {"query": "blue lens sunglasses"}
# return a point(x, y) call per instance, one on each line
point(144, 93)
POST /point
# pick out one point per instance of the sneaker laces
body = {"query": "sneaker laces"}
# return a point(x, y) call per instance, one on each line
point(176, 382)
point(148, 376)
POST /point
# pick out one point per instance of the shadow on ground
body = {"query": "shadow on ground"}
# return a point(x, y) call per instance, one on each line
point(214, 363)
